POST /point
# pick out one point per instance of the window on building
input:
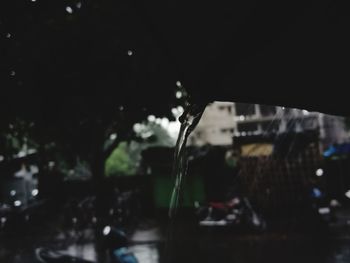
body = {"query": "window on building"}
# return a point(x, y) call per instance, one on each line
point(287, 110)
point(291, 125)
point(245, 109)
point(309, 124)
point(267, 110)
point(225, 108)
point(268, 126)
point(227, 130)
point(247, 127)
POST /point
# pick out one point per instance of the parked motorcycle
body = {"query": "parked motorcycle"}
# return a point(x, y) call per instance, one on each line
point(237, 211)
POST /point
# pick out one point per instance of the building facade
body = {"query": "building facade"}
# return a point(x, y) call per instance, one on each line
point(217, 125)
point(222, 121)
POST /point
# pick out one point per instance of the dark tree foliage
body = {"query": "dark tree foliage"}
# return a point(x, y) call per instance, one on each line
point(251, 51)
point(79, 71)
point(77, 126)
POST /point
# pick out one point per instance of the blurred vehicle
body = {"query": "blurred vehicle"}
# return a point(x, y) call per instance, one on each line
point(236, 212)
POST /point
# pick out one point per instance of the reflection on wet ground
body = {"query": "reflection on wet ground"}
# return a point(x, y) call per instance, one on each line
point(337, 251)
point(146, 253)
point(149, 246)
point(85, 251)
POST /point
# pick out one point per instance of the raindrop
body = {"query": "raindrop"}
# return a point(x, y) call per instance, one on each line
point(305, 112)
point(178, 94)
point(69, 10)
point(324, 210)
point(106, 230)
point(8, 35)
point(319, 172)
point(241, 118)
point(130, 53)
point(113, 136)
point(35, 192)
point(79, 5)
point(12, 73)
point(178, 83)
point(33, 0)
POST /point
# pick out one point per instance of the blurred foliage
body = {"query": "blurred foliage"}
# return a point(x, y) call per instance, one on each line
point(154, 134)
point(82, 127)
point(120, 162)
point(126, 158)
point(15, 137)
point(79, 46)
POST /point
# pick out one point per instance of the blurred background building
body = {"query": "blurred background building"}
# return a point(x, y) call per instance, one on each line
point(222, 121)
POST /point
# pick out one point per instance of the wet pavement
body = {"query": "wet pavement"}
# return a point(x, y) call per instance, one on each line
point(152, 245)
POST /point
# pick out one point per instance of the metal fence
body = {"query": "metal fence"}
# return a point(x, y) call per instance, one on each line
point(280, 185)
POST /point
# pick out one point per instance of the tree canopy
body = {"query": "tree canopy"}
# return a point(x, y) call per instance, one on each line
point(267, 53)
